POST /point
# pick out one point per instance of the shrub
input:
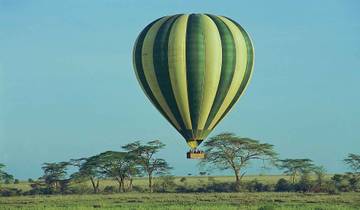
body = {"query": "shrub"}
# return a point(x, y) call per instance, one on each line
point(38, 188)
point(16, 181)
point(10, 192)
point(330, 188)
point(110, 189)
point(283, 185)
point(256, 186)
point(165, 184)
point(305, 184)
point(341, 182)
point(183, 189)
point(183, 179)
point(39, 191)
point(80, 188)
point(138, 189)
point(354, 181)
point(267, 207)
point(221, 187)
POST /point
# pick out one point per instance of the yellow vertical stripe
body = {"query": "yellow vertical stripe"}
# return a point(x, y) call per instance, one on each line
point(149, 71)
point(240, 67)
point(213, 60)
point(253, 62)
point(177, 67)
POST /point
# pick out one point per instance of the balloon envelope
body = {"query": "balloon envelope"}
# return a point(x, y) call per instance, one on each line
point(193, 68)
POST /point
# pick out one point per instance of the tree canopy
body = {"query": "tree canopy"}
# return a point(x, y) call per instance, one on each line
point(55, 174)
point(296, 167)
point(228, 151)
point(4, 176)
point(353, 161)
point(144, 156)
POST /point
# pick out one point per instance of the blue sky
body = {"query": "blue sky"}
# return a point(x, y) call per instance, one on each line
point(68, 90)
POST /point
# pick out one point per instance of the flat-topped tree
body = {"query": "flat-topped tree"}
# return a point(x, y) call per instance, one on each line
point(296, 167)
point(228, 151)
point(120, 166)
point(88, 169)
point(353, 161)
point(4, 176)
point(144, 155)
point(55, 175)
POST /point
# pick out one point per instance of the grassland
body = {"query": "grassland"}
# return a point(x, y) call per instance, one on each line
point(177, 201)
point(185, 201)
point(190, 181)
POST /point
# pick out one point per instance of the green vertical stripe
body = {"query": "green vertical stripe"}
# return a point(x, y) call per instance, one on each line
point(161, 66)
point(140, 70)
point(195, 65)
point(248, 71)
point(227, 68)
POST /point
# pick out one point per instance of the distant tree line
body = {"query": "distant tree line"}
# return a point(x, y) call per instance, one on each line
point(225, 151)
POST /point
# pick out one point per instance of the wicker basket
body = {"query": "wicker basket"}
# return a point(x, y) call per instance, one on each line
point(192, 155)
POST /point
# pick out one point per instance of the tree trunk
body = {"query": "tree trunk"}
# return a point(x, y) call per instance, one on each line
point(150, 184)
point(293, 178)
point(95, 186)
point(123, 184)
point(237, 182)
point(130, 184)
point(120, 183)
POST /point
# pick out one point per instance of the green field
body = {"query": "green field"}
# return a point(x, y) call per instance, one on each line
point(254, 201)
point(190, 181)
point(136, 200)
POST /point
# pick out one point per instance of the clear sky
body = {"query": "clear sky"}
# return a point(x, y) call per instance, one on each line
point(68, 89)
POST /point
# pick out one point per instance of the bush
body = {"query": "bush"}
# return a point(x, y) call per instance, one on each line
point(80, 188)
point(213, 187)
point(221, 187)
point(110, 189)
point(183, 189)
point(305, 184)
point(354, 181)
point(38, 188)
point(341, 182)
point(256, 186)
point(10, 192)
point(16, 181)
point(138, 189)
point(165, 184)
point(283, 185)
point(267, 207)
point(330, 188)
point(183, 179)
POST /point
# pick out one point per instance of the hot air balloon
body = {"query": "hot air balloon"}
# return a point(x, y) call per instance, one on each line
point(193, 68)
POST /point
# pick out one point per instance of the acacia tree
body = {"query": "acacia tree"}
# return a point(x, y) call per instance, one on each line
point(320, 173)
point(4, 176)
point(353, 161)
point(88, 169)
point(54, 175)
point(120, 166)
point(144, 155)
point(296, 167)
point(228, 151)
